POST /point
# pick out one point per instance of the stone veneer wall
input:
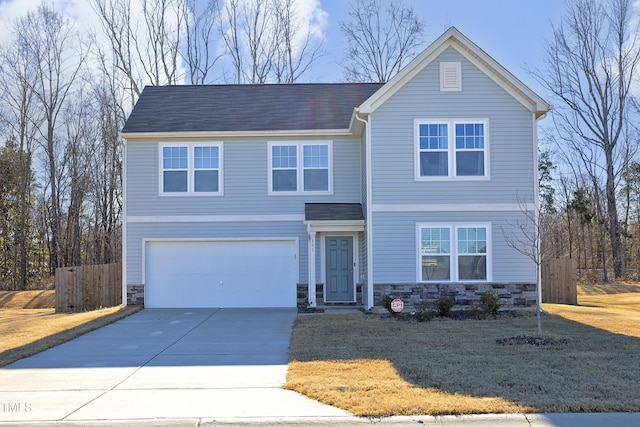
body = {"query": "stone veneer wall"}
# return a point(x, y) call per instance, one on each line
point(135, 294)
point(511, 295)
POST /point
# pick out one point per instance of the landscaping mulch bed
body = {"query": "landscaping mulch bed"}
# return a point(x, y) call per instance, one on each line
point(532, 340)
point(409, 316)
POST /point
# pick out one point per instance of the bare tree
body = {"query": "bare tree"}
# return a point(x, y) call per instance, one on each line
point(526, 238)
point(266, 41)
point(248, 36)
point(297, 49)
point(200, 27)
point(158, 47)
point(379, 41)
point(105, 169)
point(80, 131)
point(145, 51)
point(591, 63)
point(49, 41)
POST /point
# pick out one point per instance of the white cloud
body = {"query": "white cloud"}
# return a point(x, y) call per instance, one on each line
point(77, 11)
point(311, 15)
point(11, 10)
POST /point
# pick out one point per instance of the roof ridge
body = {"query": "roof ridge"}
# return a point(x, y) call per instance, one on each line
point(266, 84)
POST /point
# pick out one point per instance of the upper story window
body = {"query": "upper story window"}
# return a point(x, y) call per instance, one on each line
point(451, 149)
point(191, 169)
point(453, 252)
point(301, 167)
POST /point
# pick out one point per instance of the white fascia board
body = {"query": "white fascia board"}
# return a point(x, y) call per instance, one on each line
point(155, 136)
point(335, 226)
point(472, 52)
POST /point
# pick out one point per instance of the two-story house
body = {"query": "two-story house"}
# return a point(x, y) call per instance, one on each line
point(269, 195)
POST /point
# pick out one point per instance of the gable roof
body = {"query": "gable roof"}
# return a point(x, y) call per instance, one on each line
point(247, 108)
point(455, 39)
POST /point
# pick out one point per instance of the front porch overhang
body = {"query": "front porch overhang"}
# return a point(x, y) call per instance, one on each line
point(329, 218)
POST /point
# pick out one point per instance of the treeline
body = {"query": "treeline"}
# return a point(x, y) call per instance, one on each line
point(574, 221)
point(590, 184)
point(60, 197)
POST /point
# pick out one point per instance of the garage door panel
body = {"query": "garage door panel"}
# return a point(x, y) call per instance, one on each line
point(221, 274)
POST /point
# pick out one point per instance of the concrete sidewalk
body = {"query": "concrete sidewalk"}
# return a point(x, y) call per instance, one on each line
point(195, 368)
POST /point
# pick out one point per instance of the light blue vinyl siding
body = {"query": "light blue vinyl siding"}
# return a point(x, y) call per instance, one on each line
point(245, 193)
point(395, 248)
point(136, 232)
point(245, 182)
point(510, 139)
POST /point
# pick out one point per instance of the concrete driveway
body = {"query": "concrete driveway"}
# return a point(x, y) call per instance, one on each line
point(164, 364)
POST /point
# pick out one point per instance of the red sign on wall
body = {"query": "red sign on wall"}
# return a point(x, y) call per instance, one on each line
point(397, 305)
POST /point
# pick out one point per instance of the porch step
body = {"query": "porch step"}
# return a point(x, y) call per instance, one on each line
point(340, 308)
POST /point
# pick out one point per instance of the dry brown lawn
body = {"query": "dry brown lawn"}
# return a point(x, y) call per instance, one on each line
point(376, 367)
point(27, 299)
point(26, 331)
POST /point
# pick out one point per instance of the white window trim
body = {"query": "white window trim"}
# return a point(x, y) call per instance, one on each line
point(191, 170)
point(447, 67)
point(451, 152)
point(299, 168)
point(453, 265)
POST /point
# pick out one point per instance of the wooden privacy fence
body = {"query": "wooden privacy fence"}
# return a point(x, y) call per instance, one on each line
point(88, 287)
point(559, 277)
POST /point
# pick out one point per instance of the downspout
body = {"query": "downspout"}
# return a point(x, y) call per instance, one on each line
point(369, 217)
point(311, 249)
point(124, 220)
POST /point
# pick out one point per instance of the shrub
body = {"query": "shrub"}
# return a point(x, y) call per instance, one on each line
point(424, 313)
point(488, 305)
point(386, 303)
point(443, 305)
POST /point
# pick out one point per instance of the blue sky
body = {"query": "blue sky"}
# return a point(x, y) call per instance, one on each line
point(513, 32)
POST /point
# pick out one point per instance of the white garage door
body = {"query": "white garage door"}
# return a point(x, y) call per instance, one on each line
point(221, 274)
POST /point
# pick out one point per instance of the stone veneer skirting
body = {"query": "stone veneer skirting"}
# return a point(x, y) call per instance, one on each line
point(135, 294)
point(511, 295)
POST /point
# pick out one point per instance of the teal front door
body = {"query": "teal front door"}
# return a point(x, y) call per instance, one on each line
point(339, 269)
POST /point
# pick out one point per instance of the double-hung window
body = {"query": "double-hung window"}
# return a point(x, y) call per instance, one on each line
point(191, 169)
point(451, 149)
point(302, 167)
point(175, 169)
point(453, 252)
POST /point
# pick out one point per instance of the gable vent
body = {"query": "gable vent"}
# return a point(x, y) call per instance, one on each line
point(450, 76)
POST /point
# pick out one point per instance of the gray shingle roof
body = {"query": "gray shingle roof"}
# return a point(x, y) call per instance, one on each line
point(269, 107)
point(333, 212)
